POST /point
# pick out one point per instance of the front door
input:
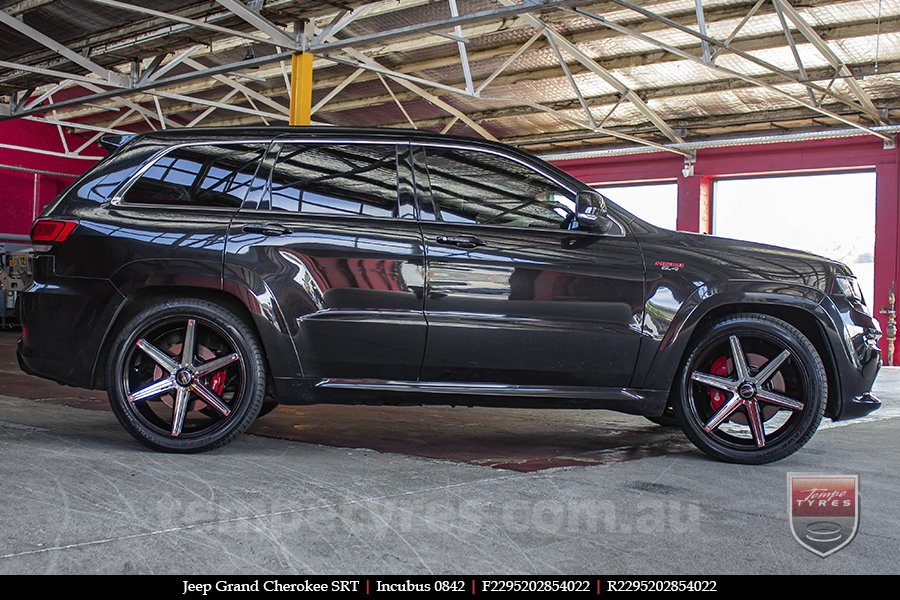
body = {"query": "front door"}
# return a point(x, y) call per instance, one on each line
point(333, 237)
point(516, 293)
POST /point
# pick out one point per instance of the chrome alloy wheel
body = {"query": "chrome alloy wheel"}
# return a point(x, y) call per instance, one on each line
point(183, 377)
point(748, 391)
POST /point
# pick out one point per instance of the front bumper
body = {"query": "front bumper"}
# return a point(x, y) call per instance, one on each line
point(857, 359)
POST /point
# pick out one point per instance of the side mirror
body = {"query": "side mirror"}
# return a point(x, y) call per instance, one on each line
point(590, 211)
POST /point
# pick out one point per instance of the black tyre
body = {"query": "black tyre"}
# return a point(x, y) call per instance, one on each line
point(186, 376)
point(752, 390)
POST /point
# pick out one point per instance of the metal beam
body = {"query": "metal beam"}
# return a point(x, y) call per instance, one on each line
point(45, 40)
point(491, 14)
point(727, 71)
point(50, 72)
point(251, 93)
point(745, 55)
point(341, 20)
point(210, 110)
point(47, 93)
point(370, 63)
point(74, 125)
point(377, 68)
point(461, 47)
point(275, 33)
point(591, 35)
point(147, 72)
point(840, 66)
point(174, 62)
point(173, 80)
point(49, 152)
point(128, 103)
point(701, 24)
point(793, 46)
point(179, 19)
point(737, 29)
point(109, 127)
point(611, 80)
point(572, 82)
point(337, 89)
point(399, 105)
point(608, 101)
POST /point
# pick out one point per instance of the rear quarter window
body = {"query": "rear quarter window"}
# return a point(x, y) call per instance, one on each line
point(99, 183)
point(199, 176)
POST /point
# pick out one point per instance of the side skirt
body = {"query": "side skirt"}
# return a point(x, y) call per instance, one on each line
point(416, 393)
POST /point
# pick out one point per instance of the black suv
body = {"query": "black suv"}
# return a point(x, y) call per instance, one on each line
point(202, 276)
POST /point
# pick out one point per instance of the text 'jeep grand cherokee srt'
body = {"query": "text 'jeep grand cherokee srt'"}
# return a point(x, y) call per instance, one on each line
point(201, 276)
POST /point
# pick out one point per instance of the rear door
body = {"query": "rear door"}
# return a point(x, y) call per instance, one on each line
point(332, 236)
point(516, 294)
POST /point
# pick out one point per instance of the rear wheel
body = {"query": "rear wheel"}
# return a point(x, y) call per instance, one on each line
point(186, 376)
point(752, 391)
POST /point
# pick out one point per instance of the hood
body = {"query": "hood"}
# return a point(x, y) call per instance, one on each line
point(708, 259)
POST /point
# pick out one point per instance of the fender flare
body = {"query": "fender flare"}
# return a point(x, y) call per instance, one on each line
point(664, 358)
point(141, 278)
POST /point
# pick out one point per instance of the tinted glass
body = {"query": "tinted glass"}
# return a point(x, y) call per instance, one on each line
point(212, 175)
point(481, 188)
point(336, 180)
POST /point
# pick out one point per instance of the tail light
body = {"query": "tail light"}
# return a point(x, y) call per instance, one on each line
point(52, 230)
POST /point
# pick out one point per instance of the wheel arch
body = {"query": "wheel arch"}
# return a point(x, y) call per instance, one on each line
point(800, 309)
point(274, 341)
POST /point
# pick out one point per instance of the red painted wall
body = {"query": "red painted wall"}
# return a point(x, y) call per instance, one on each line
point(799, 157)
point(24, 195)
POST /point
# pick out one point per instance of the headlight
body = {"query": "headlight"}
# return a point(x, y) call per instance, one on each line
point(849, 287)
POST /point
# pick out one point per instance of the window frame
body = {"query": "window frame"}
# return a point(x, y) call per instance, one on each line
point(536, 168)
point(118, 197)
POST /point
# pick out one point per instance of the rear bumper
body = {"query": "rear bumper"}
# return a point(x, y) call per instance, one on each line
point(63, 328)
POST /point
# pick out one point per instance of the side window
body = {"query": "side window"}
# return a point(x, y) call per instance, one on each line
point(209, 175)
point(481, 188)
point(350, 179)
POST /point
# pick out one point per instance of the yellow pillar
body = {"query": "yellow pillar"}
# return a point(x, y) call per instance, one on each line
point(301, 88)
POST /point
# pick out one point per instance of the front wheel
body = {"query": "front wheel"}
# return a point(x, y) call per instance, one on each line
point(752, 391)
point(186, 376)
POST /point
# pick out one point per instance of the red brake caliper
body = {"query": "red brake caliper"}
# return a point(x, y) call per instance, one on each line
point(217, 382)
point(720, 368)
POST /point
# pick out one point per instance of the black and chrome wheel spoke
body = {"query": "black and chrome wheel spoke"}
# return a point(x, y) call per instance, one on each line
point(156, 388)
point(756, 424)
point(741, 370)
point(179, 410)
point(728, 385)
point(779, 400)
point(161, 358)
point(723, 413)
point(216, 364)
point(211, 398)
point(190, 337)
point(771, 367)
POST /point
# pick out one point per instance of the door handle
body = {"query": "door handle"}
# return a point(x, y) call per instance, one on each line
point(272, 229)
point(460, 241)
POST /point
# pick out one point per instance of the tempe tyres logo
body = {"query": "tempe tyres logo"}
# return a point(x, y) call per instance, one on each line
point(824, 511)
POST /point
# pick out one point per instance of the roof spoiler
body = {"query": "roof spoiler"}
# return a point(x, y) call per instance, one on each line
point(114, 142)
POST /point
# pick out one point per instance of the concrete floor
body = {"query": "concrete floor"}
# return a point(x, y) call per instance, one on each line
point(443, 491)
